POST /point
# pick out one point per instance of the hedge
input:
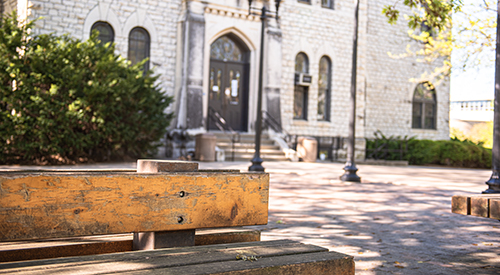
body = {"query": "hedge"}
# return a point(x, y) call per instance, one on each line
point(63, 100)
point(452, 152)
point(448, 152)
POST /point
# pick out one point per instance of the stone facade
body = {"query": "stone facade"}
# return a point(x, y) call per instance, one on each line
point(183, 31)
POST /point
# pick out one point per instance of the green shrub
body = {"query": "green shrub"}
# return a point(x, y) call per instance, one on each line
point(386, 148)
point(448, 152)
point(63, 100)
point(452, 152)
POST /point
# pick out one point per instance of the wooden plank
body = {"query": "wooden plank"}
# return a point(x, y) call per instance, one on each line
point(67, 250)
point(94, 245)
point(495, 208)
point(484, 205)
point(181, 260)
point(225, 235)
point(459, 205)
point(51, 205)
point(479, 206)
point(322, 263)
point(156, 166)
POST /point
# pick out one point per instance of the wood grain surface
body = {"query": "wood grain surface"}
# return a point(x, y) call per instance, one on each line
point(486, 205)
point(271, 257)
point(50, 205)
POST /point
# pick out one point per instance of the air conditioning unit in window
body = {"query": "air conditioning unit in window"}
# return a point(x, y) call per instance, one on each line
point(303, 79)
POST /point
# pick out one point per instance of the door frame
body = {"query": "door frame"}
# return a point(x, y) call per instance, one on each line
point(247, 54)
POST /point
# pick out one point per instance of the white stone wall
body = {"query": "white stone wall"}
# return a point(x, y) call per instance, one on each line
point(384, 90)
point(76, 18)
point(317, 32)
point(389, 92)
point(9, 6)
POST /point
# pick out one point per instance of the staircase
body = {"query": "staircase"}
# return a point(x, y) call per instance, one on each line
point(244, 150)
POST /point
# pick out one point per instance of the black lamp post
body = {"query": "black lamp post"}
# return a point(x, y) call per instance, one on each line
point(350, 167)
point(264, 14)
point(494, 182)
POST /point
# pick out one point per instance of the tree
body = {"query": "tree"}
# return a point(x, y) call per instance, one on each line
point(471, 38)
point(63, 100)
point(439, 17)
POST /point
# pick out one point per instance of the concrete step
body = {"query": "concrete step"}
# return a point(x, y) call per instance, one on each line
point(248, 157)
point(229, 146)
point(252, 151)
point(244, 149)
point(244, 139)
point(243, 135)
point(250, 142)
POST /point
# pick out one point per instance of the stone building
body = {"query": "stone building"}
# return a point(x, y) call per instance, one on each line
point(207, 56)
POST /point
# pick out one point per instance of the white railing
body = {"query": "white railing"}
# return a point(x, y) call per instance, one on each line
point(472, 105)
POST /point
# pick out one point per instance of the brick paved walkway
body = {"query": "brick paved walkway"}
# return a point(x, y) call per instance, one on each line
point(397, 221)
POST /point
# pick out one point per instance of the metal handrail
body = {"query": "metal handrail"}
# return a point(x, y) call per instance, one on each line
point(221, 124)
point(270, 121)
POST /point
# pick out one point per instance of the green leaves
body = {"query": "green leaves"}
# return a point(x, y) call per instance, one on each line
point(434, 13)
point(391, 13)
point(448, 152)
point(63, 100)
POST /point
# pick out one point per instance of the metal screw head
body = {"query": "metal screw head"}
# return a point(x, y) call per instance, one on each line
point(182, 194)
point(180, 219)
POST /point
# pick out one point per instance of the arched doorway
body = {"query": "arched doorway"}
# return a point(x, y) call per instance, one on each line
point(228, 82)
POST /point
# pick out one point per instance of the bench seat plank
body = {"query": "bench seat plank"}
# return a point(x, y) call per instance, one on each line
point(102, 244)
point(53, 205)
point(280, 257)
point(484, 205)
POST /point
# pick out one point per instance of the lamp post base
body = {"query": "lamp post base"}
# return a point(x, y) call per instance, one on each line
point(493, 184)
point(256, 165)
point(350, 173)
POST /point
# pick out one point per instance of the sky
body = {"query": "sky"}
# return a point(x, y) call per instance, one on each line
point(475, 83)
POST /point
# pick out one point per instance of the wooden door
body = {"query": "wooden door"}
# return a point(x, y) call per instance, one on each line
point(228, 93)
point(228, 84)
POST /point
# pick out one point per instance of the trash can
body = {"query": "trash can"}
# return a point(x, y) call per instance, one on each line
point(205, 147)
point(307, 148)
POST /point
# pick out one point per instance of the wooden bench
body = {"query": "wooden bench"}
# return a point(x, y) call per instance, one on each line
point(163, 203)
point(481, 205)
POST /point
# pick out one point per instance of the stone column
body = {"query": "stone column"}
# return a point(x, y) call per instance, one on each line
point(273, 65)
point(190, 111)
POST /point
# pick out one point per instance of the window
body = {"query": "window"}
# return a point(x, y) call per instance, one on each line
point(424, 107)
point(426, 28)
point(327, 4)
point(138, 46)
point(106, 32)
point(300, 91)
point(226, 49)
point(324, 88)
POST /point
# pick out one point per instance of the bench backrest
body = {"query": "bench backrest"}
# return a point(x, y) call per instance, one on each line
point(52, 204)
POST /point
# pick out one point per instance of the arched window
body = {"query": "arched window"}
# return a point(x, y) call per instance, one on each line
point(138, 46)
point(424, 107)
point(226, 49)
point(301, 64)
point(324, 88)
point(301, 90)
point(106, 32)
point(327, 4)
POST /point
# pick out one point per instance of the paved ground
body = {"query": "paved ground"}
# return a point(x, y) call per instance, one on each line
point(397, 221)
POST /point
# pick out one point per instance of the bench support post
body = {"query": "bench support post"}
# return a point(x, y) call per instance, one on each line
point(164, 239)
